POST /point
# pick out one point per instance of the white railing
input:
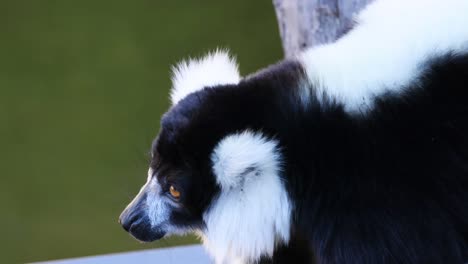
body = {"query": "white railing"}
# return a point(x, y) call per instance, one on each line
point(194, 254)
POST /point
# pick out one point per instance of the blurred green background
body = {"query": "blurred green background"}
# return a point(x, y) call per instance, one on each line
point(83, 85)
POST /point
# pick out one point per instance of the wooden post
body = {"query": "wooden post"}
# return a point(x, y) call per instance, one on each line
point(306, 23)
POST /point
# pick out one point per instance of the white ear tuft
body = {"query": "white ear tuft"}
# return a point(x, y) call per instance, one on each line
point(239, 155)
point(216, 68)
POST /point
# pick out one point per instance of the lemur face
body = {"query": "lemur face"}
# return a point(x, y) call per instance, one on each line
point(211, 172)
point(178, 188)
point(180, 183)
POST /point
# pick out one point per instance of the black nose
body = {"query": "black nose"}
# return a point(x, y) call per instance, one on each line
point(126, 225)
point(137, 223)
point(127, 218)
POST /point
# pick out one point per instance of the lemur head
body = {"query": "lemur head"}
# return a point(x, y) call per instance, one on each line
point(212, 172)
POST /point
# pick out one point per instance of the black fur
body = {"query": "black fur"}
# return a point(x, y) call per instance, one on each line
point(386, 186)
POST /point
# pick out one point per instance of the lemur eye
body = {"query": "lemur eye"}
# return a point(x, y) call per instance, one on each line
point(174, 192)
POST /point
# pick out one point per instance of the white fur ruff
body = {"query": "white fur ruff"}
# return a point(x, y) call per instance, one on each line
point(252, 214)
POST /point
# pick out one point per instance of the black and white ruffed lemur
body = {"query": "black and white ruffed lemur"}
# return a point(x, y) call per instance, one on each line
point(353, 152)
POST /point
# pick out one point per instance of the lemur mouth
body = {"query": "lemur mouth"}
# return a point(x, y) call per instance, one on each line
point(143, 232)
point(147, 237)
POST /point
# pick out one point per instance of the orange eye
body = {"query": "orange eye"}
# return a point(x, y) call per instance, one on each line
point(174, 192)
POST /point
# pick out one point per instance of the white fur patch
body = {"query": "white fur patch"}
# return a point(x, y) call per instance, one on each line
point(160, 207)
point(216, 68)
point(158, 210)
point(150, 174)
point(253, 212)
point(386, 49)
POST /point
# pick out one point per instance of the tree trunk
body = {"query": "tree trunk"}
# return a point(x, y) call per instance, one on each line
point(307, 23)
